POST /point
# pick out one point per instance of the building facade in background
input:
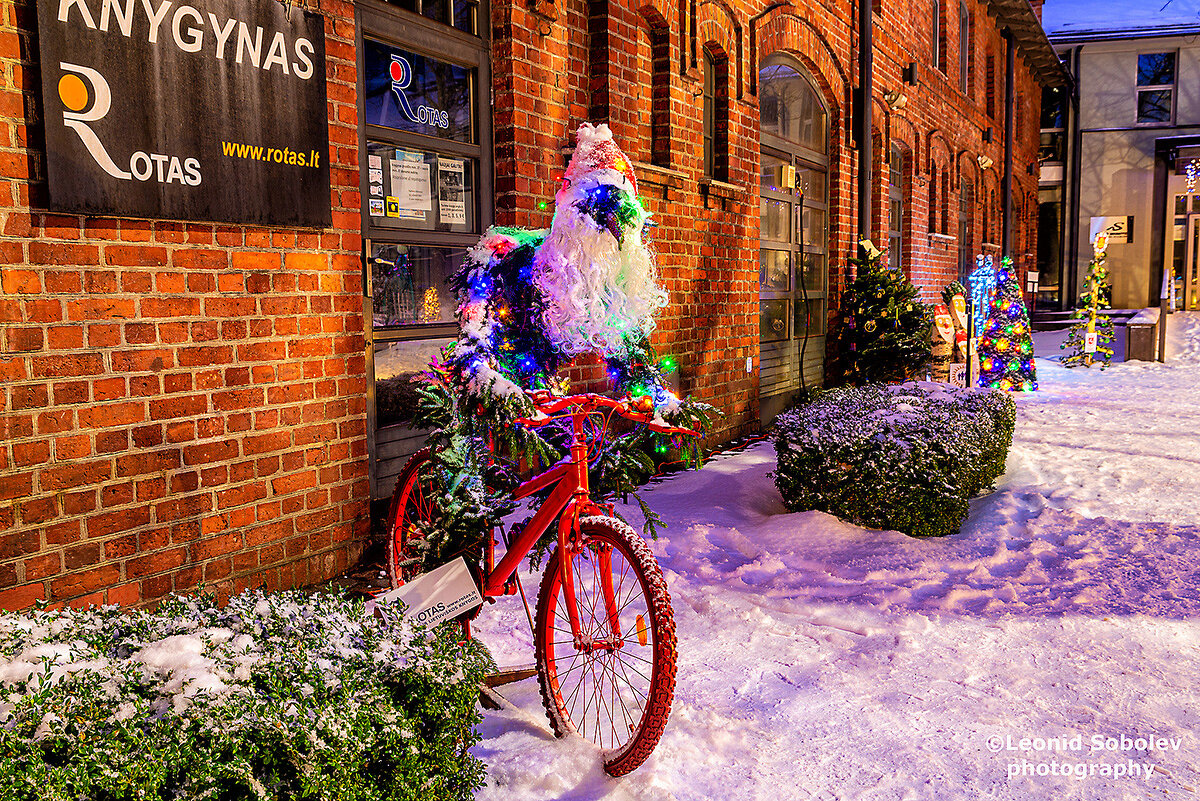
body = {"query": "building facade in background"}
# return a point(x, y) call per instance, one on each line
point(214, 400)
point(1122, 153)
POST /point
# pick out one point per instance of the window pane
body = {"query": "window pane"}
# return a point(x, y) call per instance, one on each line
point(813, 272)
point(396, 364)
point(419, 189)
point(896, 168)
point(894, 211)
point(465, 15)
point(811, 184)
point(435, 10)
point(775, 217)
point(771, 175)
point(418, 94)
point(789, 107)
point(775, 270)
point(813, 229)
point(1181, 204)
point(772, 320)
point(1156, 69)
point(409, 284)
point(895, 253)
point(1154, 106)
point(812, 324)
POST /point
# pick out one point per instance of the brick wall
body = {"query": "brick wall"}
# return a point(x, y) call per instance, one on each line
point(600, 60)
point(183, 403)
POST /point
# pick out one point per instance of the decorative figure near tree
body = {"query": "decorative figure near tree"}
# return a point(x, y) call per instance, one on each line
point(1091, 335)
point(1006, 342)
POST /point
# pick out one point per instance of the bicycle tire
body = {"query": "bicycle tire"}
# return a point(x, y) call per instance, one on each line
point(618, 674)
point(413, 501)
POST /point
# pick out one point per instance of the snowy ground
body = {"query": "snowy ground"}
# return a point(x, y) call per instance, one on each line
point(819, 660)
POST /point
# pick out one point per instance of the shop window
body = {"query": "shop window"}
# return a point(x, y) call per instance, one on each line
point(1155, 88)
point(426, 180)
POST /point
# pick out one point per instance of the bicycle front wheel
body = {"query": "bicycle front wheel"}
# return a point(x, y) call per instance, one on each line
point(615, 685)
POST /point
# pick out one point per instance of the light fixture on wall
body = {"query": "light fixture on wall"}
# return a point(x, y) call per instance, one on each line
point(896, 99)
point(985, 162)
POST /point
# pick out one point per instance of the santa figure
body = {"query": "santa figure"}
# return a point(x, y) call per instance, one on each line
point(531, 300)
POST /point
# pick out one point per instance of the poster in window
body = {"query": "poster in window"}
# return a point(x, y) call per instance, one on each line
point(452, 206)
point(410, 176)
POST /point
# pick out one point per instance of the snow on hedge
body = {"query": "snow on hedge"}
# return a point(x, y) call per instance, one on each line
point(269, 697)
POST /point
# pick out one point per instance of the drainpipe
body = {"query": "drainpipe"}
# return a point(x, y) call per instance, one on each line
point(1006, 184)
point(866, 61)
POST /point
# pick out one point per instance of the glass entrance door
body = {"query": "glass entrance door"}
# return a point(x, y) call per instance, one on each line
point(1184, 286)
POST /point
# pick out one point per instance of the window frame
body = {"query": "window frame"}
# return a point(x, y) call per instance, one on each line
point(964, 48)
point(708, 65)
point(1172, 88)
point(936, 36)
point(896, 160)
point(399, 27)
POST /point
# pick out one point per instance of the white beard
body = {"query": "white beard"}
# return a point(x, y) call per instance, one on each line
point(596, 292)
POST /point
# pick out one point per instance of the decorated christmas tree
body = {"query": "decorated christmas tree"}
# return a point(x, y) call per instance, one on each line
point(1006, 343)
point(884, 332)
point(1091, 335)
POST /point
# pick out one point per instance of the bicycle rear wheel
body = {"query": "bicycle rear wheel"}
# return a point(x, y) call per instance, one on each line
point(615, 687)
point(414, 505)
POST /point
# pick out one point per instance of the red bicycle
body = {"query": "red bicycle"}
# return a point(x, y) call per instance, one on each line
point(604, 632)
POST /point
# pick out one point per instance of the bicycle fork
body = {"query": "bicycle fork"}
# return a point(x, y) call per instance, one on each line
point(570, 544)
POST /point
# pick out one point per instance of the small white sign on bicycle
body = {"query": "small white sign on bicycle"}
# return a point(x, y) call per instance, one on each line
point(1089, 343)
point(436, 596)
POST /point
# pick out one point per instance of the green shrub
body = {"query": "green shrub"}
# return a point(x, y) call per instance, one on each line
point(287, 696)
point(904, 457)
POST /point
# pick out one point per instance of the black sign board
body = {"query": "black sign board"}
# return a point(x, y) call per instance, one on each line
point(201, 110)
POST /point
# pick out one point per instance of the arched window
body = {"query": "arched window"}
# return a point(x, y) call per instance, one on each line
point(896, 207)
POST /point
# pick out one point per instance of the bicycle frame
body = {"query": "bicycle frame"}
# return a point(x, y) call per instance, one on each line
point(570, 499)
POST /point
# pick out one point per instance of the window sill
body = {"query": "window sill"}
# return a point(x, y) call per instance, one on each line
point(661, 176)
point(945, 239)
point(714, 188)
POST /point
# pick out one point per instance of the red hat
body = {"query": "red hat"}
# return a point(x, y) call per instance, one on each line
point(596, 150)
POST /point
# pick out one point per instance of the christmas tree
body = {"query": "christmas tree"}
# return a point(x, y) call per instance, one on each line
point(1006, 344)
point(884, 333)
point(1091, 335)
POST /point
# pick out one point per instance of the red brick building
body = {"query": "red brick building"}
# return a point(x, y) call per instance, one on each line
point(203, 404)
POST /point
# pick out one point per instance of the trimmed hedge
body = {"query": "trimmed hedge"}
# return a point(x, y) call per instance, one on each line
point(904, 457)
point(273, 697)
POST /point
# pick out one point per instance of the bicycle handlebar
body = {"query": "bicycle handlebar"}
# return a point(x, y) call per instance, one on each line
point(548, 404)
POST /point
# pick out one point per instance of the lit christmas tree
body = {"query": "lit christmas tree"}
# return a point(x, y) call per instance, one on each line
point(1006, 344)
point(1091, 335)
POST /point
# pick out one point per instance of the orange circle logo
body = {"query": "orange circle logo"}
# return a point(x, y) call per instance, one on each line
point(73, 92)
